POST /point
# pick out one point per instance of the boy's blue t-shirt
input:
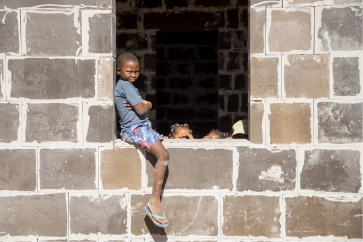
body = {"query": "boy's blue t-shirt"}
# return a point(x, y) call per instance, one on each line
point(125, 91)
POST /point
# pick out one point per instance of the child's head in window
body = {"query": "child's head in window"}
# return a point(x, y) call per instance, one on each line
point(180, 131)
point(240, 129)
point(216, 134)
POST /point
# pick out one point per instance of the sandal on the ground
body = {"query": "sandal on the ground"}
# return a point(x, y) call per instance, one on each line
point(153, 218)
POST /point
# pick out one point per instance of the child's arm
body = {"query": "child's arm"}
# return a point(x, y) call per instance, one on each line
point(141, 108)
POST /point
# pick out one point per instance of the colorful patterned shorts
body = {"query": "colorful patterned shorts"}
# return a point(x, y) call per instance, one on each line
point(141, 134)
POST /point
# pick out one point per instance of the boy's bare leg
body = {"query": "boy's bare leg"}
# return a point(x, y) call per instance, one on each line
point(162, 160)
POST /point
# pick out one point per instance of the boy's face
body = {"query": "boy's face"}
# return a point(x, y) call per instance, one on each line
point(129, 71)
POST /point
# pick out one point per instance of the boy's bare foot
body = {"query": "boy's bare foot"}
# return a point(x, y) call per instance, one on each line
point(155, 208)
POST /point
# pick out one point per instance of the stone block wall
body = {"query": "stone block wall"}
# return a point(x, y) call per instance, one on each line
point(65, 177)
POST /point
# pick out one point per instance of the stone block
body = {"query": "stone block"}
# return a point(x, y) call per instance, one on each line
point(105, 78)
point(215, 169)
point(251, 216)
point(45, 36)
point(290, 123)
point(317, 216)
point(176, 3)
point(149, 4)
point(239, 40)
point(47, 122)
point(18, 169)
point(346, 76)
point(257, 30)
point(291, 3)
point(256, 123)
point(262, 169)
point(245, 18)
point(224, 82)
point(306, 76)
point(101, 123)
point(34, 215)
point(105, 214)
point(120, 168)
point(212, 3)
point(15, 4)
point(186, 21)
point(265, 76)
point(9, 122)
point(225, 40)
point(9, 40)
point(346, 1)
point(2, 80)
point(234, 61)
point(45, 78)
point(265, 3)
point(240, 82)
point(70, 169)
point(339, 123)
point(187, 215)
point(339, 29)
point(126, 20)
point(232, 21)
point(331, 170)
point(99, 27)
point(131, 41)
point(290, 30)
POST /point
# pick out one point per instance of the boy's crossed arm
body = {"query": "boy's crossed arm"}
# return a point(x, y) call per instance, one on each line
point(142, 108)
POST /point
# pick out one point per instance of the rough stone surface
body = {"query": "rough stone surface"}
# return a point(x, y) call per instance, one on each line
point(339, 123)
point(256, 123)
point(188, 215)
point(105, 78)
point(341, 29)
point(105, 214)
point(34, 215)
point(262, 169)
point(166, 21)
point(265, 77)
point(51, 122)
point(100, 40)
point(303, 2)
point(251, 216)
point(346, 79)
point(9, 40)
point(290, 123)
point(14, 4)
point(316, 216)
point(101, 124)
point(120, 168)
point(45, 36)
point(267, 3)
point(291, 30)
point(306, 76)
point(70, 169)
point(331, 171)
point(257, 30)
point(2, 79)
point(44, 78)
point(9, 122)
point(202, 169)
point(17, 169)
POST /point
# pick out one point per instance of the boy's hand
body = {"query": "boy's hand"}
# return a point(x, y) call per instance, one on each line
point(128, 105)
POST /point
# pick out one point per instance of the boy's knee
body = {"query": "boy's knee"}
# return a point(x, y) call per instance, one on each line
point(166, 156)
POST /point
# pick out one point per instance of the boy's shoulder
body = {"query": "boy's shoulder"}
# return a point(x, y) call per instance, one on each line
point(122, 84)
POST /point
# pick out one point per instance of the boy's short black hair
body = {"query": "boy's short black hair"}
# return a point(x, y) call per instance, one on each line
point(125, 57)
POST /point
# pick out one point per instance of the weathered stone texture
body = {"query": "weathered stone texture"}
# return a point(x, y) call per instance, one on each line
point(15, 4)
point(2, 80)
point(341, 29)
point(262, 169)
point(70, 169)
point(202, 169)
point(9, 122)
point(306, 76)
point(17, 169)
point(304, 2)
point(316, 216)
point(100, 40)
point(105, 78)
point(331, 171)
point(346, 1)
point(265, 77)
point(267, 3)
point(251, 216)
point(44, 78)
point(166, 21)
point(196, 215)
point(346, 79)
point(45, 36)
point(9, 40)
point(105, 214)
point(101, 123)
point(257, 30)
point(339, 123)
point(291, 30)
point(51, 122)
point(256, 123)
point(290, 123)
point(120, 168)
point(35, 215)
